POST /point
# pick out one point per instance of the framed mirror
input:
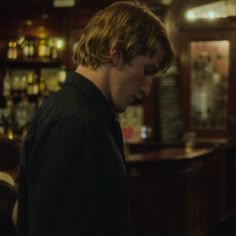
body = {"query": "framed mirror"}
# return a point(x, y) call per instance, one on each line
point(209, 72)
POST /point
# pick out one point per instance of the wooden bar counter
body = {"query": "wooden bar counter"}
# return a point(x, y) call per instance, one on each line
point(174, 193)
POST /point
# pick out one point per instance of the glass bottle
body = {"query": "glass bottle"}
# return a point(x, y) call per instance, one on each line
point(43, 48)
point(31, 48)
point(25, 49)
point(14, 50)
point(10, 118)
point(2, 125)
point(7, 84)
point(9, 53)
point(30, 84)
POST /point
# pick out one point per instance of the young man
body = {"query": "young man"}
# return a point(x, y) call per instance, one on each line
point(73, 179)
point(9, 166)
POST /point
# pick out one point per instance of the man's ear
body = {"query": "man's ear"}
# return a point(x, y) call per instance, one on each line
point(116, 53)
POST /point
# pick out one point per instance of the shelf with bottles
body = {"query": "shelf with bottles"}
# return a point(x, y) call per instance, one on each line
point(27, 49)
point(15, 116)
point(30, 82)
point(23, 91)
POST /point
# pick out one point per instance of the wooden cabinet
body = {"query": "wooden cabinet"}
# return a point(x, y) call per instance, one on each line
point(174, 193)
point(168, 191)
point(205, 45)
point(207, 81)
point(218, 192)
point(31, 68)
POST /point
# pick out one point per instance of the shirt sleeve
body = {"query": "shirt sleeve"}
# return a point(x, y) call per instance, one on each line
point(61, 180)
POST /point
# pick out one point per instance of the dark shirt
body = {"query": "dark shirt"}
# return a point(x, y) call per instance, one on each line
point(73, 179)
point(8, 196)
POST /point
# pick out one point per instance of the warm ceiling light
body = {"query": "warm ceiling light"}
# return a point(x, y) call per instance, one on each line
point(64, 3)
point(190, 15)
point(211, 15)
point(218, 9)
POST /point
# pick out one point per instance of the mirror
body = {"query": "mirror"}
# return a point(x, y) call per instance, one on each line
point(209, 84)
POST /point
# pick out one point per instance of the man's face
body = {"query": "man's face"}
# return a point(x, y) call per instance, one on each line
point(133, 80)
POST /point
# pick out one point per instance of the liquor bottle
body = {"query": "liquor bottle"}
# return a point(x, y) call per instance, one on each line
point(30, 84)
point(35, 84)
point(54, 50)
point(31, 48)
point(2, 125)
point(54, 53)
point(14, 50)
point(43, 90)
point(22, 115)
point(7, 84)
point(23, 85)
point(9, 53)
point(16, 85)
point(26, 49)
point(9, 128)
point(43, 49)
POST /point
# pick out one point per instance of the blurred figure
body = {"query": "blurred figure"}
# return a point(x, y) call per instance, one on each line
point(9, 168)
point(73, 180)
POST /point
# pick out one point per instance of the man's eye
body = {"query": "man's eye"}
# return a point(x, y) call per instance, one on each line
point(150, 70)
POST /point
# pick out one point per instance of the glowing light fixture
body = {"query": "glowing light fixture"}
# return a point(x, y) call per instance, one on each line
point(64, 3)
point(190, 15)
point(60, 43)
point(211, 15)
point(218, 9)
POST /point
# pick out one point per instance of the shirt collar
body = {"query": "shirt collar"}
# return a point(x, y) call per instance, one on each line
point(7, 178)
point(92, 91)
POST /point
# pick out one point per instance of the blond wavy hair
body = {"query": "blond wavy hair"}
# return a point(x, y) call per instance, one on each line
point(132, 23)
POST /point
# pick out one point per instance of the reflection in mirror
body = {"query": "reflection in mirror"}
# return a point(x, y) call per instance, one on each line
point(209, 84)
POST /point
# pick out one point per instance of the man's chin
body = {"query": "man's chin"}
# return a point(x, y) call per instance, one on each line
point(120, 109)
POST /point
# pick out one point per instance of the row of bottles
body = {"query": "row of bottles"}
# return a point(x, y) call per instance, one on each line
point(23, 91)
point(26, 83)
point(20, 82)
point(15, 116)
point(28, 48)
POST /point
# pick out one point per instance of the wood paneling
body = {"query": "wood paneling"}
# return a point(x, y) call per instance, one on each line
point(177, 194)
